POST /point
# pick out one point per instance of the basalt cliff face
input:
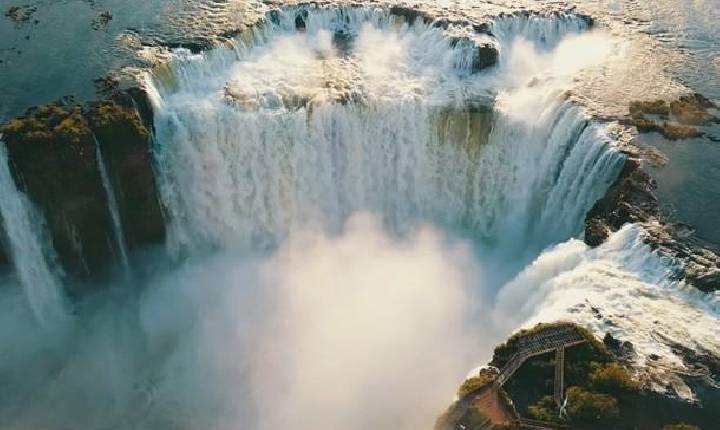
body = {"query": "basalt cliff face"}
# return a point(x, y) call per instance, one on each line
point(55, 153)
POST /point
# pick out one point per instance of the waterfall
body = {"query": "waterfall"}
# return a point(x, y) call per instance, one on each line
point(283, 129)
point(31, 256)
point(114, 211)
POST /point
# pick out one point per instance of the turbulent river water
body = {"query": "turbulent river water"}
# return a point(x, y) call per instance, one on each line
point(354, 216)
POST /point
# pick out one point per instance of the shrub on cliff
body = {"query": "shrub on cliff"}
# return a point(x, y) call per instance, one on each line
point(586, 407)
point(544, 410)
point(484, 377)
point(612, 378)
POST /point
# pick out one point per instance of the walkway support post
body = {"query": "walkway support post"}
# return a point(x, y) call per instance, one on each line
point(559, 375)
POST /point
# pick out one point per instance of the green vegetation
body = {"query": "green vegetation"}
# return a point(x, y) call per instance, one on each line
point(544, 410)
point(485, 376)
point(109, 114)
point(585, 407)
point(46, 124)
point(612, 378)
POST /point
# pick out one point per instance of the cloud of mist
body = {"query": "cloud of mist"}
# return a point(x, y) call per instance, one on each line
point(357, 331)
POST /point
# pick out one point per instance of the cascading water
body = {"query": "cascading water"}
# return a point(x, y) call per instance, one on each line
point(114, 211)
point(31, 256)
point(286, 129)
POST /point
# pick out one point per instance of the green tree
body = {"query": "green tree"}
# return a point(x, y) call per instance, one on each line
point(612, 378)
point(588, 407)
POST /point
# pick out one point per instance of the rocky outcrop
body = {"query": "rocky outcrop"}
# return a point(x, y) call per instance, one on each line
point(52, 151)
point(700, 266)
point(676, 120)
point(482, 50)
point(631, 199)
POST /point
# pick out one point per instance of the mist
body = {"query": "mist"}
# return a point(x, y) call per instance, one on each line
point(355, 331)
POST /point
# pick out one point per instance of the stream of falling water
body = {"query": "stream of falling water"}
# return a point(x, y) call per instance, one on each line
point(31, 256)
point(251, 145)
point(114, 211)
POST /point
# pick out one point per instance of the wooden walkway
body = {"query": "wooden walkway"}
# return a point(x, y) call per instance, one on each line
point(552, 339)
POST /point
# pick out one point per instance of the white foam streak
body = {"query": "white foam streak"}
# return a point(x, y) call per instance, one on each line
point(31, 256)
point(118, 232)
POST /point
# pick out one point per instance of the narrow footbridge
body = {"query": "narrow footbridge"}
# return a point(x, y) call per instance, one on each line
point(551, 339)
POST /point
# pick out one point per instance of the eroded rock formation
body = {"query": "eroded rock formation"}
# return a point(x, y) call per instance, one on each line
point(52, 152)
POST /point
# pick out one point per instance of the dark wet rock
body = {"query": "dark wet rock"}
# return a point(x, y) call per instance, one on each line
point(410, 15)
point(630, 199)
point(20, 14)
point(486, 56)
point(52, 156)
point(700, 267)
point(484, 52)
point(698, 360)
point(589, 20)
point(106, 85)
point(125, 144)
point(610, 342)
point(596, 231)
point(299, 23)
point(343, 41)
point(52, 152)
point(102, 20)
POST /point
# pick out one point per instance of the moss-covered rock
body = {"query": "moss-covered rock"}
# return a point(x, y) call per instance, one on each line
point(676, 120)
point(656, 107)
point(53, 156)
point(630, 199)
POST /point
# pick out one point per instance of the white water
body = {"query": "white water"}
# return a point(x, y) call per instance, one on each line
point(31, 257)
point(623, 289)
point(360, 250)
point(118, 232)
point(247, 172)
